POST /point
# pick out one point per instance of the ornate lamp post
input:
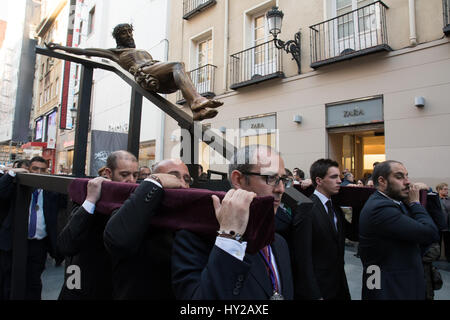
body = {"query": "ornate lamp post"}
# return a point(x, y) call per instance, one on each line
point(275, 20)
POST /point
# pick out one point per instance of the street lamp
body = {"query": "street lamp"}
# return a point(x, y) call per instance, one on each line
point(275, 20)
point(73, 114)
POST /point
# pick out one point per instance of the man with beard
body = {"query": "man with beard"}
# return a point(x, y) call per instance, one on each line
point(392, 226)
point(152, 75)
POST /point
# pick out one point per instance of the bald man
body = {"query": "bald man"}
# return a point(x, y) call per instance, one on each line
point(81, 240)
point(141, 254)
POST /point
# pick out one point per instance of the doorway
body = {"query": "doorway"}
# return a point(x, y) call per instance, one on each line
point(357, 149)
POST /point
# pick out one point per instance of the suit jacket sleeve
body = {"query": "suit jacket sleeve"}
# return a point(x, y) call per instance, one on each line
point(305, 285)
point(203, 271)
point(126, 228)
point(6, 186)
point(388, 221)
point(434, 208)
point(74, 235)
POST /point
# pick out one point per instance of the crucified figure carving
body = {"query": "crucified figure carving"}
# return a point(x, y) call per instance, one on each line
point(152, 75)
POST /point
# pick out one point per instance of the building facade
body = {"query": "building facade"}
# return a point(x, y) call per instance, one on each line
point(48, 82)
point(94, 21)
point(371, 83)
point(18, 20)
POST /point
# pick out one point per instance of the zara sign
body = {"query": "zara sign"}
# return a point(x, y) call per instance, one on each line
point(356, 112)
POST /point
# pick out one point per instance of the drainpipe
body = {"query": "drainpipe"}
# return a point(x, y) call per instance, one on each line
point(225, 48)
point(166, 57)
point(412, 23)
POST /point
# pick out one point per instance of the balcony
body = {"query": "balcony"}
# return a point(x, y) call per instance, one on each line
point(203, 80)
point(356, 33)
point(446, 7)
point(254, 65)
point(193, 7)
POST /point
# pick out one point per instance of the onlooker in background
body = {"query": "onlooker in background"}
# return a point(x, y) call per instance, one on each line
point(299, 175)
point(144, 173)
point(101, 172)
point(431, 252)
point(360, 183)
point(289, 174)
point(369, 183)
point(348, 179)
point(202, 175)
point(81, 240)
point(23, 163)
point(392, 227)
point(442, 190)
point(299, 178)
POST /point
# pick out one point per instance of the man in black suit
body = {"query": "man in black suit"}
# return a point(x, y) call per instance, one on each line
point(42, 231)
point(6, 194)
point(222, 270)
point(81, 240)
point(392, 226)
point(141, 253)
point(319, 239)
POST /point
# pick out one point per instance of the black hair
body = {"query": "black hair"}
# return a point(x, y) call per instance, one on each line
point(38, 159)
point(320, 168)
point(382, 169)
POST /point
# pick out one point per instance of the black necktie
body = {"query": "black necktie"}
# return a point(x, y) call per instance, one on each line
point(331, 214)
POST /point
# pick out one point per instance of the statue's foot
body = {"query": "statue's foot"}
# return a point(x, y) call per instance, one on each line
point(196, 106)
point(204, 114)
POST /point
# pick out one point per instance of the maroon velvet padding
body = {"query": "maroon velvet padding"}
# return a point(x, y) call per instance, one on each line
point(190, 209)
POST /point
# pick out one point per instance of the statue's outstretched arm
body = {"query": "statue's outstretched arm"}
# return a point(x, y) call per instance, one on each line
point(90, 52)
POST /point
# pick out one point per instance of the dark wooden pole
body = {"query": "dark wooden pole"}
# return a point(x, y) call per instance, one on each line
point(134, 125)
point(82, 122)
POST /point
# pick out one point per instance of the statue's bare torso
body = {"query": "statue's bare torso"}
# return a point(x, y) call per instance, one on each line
point(130, 57)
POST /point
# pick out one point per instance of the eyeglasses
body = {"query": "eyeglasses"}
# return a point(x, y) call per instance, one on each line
point(187, 178)
point(272, 180)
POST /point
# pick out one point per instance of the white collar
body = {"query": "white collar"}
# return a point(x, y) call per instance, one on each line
point(395, 201)
point(321, 197)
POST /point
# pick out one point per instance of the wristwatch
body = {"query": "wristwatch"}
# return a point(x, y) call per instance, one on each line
point(230, 235)
point(152, 176)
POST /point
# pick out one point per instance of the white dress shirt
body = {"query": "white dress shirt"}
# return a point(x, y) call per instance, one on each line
point(324, 200)
point(41, 232)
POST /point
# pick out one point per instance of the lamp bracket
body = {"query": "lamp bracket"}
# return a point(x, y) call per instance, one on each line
point(292, 47)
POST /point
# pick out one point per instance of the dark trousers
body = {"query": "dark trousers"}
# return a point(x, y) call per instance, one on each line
point(36, 258)
point(5, 274)
point(445, 236)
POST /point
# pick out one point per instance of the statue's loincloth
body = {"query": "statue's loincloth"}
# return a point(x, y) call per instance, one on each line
point(145, 79)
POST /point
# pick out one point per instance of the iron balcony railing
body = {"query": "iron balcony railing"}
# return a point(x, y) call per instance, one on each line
point(203, 79)
point(259, 63)
point(446, 7)
point(355, 33)
point(192, 7)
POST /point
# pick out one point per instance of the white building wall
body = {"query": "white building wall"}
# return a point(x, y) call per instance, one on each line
point(13, 12)
point(111, 95)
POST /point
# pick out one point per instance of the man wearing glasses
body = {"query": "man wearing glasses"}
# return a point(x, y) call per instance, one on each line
point(140, 253)
point(223, 270)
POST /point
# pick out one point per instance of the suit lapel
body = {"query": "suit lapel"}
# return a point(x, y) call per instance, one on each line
point(259, 272)
point(323, 217)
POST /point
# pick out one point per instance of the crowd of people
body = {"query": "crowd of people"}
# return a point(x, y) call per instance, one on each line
point(123, 256)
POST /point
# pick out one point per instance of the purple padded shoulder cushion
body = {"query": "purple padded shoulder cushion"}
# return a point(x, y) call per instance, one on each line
point(190, 209)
